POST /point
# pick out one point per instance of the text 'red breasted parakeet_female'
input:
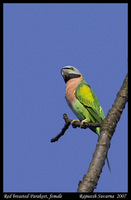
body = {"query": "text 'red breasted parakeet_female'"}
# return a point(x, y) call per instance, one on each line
point(82, 99)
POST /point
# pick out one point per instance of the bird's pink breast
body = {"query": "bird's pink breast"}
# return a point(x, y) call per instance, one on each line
point(71, 86)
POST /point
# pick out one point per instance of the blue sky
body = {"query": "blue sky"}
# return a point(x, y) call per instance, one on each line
point(39, 39)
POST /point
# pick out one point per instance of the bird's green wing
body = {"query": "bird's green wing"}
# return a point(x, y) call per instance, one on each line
point(88, 98)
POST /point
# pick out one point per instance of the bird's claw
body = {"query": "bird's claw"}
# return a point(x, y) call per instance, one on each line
point(75, 122)
point(83, 123)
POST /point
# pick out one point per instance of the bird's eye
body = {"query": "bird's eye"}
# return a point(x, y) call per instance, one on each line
point(72, 68)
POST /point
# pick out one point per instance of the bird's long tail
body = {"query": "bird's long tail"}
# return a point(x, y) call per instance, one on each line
point(108, 164)
point(97, 130)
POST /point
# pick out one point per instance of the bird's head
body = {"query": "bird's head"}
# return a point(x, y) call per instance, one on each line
point(69, 72)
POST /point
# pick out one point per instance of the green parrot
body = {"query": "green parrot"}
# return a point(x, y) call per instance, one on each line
point(82, 99)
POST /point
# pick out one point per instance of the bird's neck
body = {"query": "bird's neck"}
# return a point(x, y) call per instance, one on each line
point(71, 86)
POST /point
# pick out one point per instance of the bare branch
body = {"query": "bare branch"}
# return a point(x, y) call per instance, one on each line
point(74, 123)
point(66, 126)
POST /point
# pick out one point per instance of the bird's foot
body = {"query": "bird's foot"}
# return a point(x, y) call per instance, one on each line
point(75, 123)
point(83, 123)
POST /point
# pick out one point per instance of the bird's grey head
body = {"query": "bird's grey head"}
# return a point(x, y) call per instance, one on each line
point(69, 72)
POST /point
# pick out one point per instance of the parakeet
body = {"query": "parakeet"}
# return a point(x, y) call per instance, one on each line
point(81, 98)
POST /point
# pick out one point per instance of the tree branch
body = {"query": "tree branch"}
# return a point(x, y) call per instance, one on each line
point(74, 123)
point(66, 126)
point(108, 126)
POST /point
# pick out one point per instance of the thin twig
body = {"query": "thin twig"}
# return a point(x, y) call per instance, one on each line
point(74, 123)
point(66, 126)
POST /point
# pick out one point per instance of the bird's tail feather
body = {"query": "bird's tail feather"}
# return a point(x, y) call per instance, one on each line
point(108, 164)
point(97, 131)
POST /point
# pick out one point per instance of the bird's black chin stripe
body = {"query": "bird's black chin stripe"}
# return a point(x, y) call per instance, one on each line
point(70, 76)
point(74, 75)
